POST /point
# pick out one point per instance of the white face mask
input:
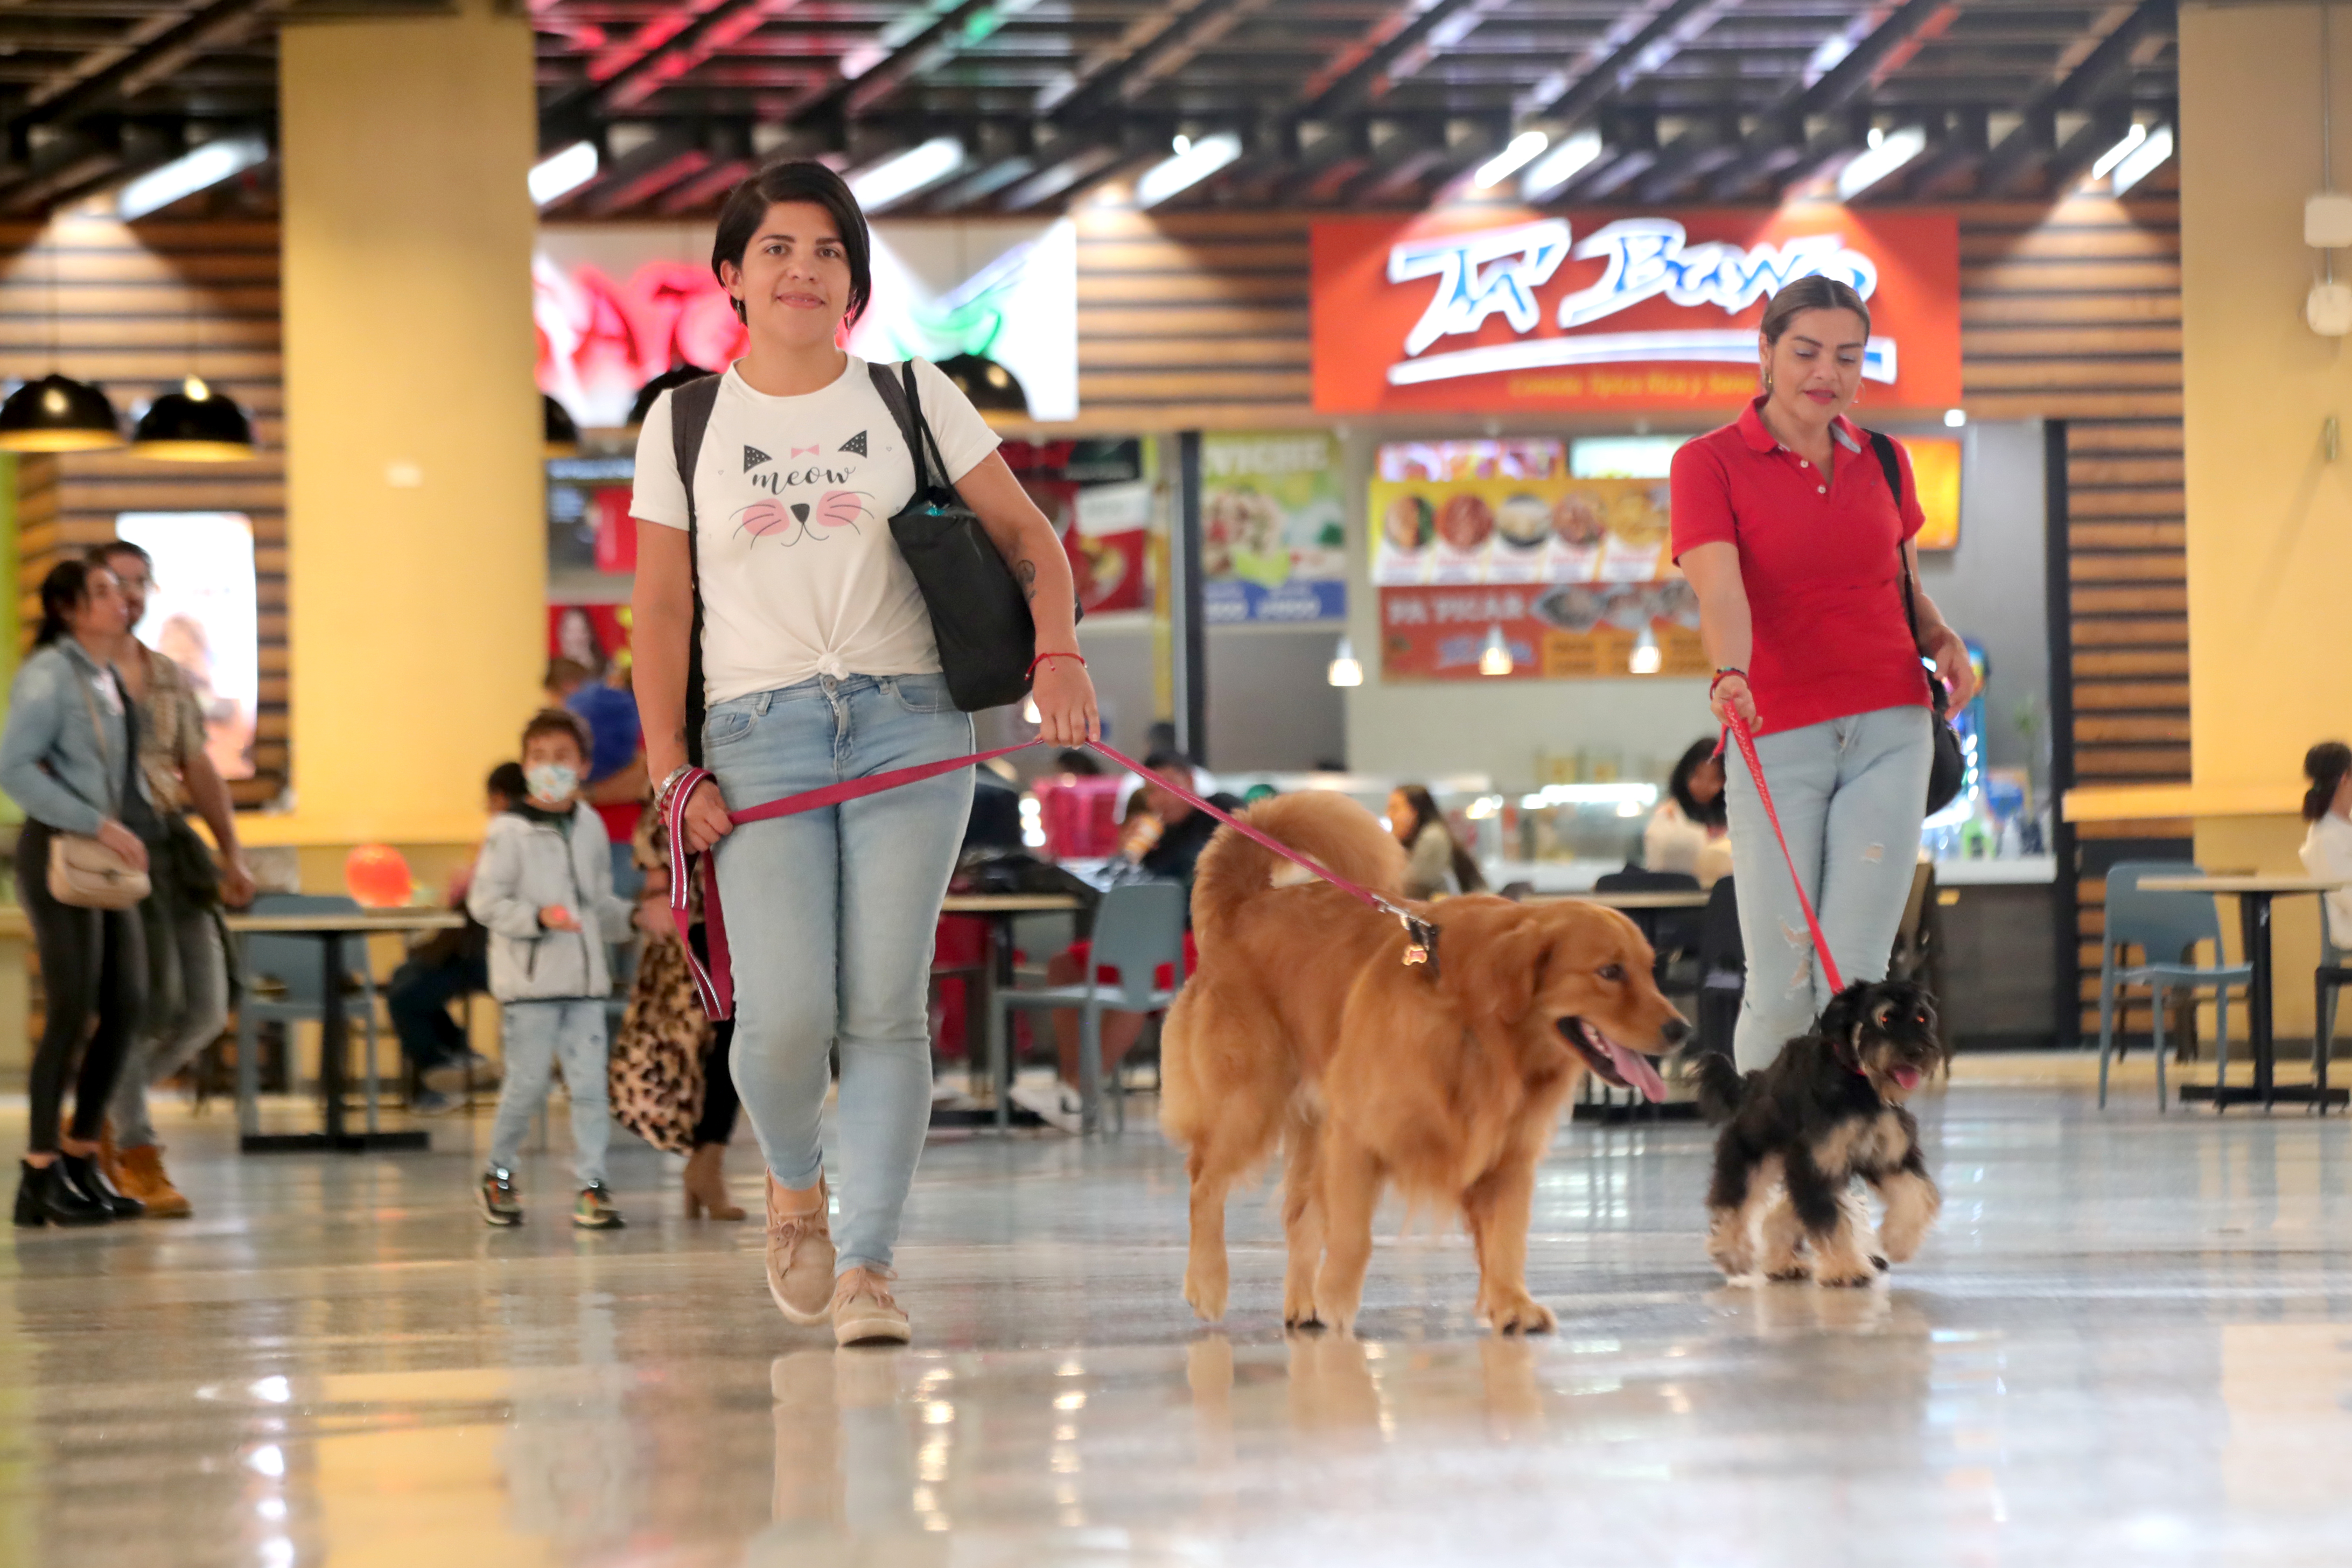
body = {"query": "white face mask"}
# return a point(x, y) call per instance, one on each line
point(551, 781)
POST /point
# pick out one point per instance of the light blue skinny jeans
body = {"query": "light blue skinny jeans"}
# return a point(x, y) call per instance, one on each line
point(537, 1038)
point(832, 916)
point(1851, 792)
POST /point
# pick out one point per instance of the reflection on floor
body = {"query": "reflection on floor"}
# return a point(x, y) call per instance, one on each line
point(2125, 1343)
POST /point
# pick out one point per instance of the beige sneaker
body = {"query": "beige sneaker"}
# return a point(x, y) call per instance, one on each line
point(863, 1311)
point(800, 1256)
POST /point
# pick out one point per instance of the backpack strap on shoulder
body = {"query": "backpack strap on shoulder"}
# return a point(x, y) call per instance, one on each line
point(690, 420)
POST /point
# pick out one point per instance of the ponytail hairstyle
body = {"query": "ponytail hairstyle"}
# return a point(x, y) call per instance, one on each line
point(63, 590)
point(1425, 816)
point(2324, 766)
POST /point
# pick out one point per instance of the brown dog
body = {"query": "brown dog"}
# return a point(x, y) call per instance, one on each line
point(1304, 1024)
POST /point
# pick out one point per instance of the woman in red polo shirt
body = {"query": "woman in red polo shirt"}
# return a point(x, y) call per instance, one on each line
point(1785, 526)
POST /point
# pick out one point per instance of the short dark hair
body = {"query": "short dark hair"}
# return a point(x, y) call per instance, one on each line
point(557, 722)
point(507, 779)
point(1706, 812)
point(565, 673)
point(104, 554)
point(2324, 766)
point(1164, 758)
point(1812, 292)
point(63, 590)
point(799, 181)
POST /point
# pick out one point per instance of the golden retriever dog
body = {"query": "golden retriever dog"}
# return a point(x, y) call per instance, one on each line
point(1303, 1025)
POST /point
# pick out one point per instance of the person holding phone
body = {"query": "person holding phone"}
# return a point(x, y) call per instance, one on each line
point(819, 664)
point(1798, 551)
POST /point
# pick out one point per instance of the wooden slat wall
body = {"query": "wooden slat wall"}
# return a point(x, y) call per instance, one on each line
point(135, 311)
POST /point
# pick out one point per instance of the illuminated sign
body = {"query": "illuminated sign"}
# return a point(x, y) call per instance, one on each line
point(1463, 312)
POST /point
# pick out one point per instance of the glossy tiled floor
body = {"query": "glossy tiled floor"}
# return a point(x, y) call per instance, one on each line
point(2127, 1343)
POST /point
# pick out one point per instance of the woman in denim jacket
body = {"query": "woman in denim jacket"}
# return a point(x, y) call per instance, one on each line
point(68, 759)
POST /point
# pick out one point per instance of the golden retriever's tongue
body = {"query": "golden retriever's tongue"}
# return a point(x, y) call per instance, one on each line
point(1636, 1069)
point(1908, 1078)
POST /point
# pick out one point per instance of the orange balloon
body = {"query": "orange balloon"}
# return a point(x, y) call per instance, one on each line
point(377, 875)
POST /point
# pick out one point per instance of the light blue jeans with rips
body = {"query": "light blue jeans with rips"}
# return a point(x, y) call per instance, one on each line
point(1851, 792)
point(832, 920)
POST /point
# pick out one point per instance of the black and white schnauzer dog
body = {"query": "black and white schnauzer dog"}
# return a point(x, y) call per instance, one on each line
point(1796, 1133)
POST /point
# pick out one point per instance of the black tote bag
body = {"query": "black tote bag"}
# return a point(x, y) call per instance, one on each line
point(980, 616)
point(1950, 769)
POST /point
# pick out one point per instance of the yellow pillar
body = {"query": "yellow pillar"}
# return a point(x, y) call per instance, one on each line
point(2270, 514)
point(417, 558)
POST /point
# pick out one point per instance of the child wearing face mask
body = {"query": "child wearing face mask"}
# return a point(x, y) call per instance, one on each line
point(543, 887)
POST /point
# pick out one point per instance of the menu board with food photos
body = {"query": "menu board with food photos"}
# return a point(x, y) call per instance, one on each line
point(1479, 536)
point(1273, 535)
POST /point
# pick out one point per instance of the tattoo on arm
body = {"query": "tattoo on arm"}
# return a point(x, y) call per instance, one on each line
point(1027, 571)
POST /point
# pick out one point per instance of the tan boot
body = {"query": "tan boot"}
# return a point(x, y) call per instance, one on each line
point(800, 1253)
point(140, 1174)
point(706, 1184)
point(864, 1312)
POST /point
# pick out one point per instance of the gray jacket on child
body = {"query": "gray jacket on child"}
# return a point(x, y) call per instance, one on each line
point(524, 866)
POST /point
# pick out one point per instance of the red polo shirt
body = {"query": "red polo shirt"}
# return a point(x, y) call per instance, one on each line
point(1821, 562)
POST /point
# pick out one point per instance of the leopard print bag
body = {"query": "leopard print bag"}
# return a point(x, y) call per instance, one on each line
point(656, 1077)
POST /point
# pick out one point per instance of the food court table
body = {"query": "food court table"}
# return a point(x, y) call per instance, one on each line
point(999, 910)
point(2254, 895)
point(329, 928)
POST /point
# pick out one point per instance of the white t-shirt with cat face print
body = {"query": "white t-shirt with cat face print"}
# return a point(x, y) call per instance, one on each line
point(793, 501)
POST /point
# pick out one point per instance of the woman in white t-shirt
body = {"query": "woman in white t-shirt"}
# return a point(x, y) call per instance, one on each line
point(819, 664)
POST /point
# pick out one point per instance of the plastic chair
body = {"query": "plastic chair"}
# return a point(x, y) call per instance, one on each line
point(2332, 975)
point(1138, 928)
point(291, 964)
point(2166, 927)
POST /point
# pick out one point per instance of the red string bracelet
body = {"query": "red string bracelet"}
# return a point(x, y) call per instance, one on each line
point(1043, 657)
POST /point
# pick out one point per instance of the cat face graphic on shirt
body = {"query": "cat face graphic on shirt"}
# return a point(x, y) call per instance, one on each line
point(810, 495)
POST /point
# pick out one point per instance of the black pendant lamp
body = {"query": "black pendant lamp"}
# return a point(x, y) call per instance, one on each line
point(992, 388)
point(193, 425)
point(563, 431)
point(657, 386)
point(58, 413)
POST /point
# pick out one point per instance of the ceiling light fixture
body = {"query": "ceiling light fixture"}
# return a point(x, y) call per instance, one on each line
point(1186, 169)
point(56, 413)
point(1345, 670)
point(1559, 166)
point(1887, 153)
point(901, 175)
point(1955, 417)
point(1182, 144)
point(558, 174)
point(1517, 155)
point(1647, 658)
point(2118, 152)
point(193, 425)
point(2141, 160)
point(199, 168)
point(1497, 658)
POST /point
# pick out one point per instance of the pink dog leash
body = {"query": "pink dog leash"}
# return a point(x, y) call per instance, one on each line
point(715, 980)
point(1764, 793)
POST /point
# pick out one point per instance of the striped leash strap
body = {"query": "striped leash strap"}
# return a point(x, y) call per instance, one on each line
point(714, 980)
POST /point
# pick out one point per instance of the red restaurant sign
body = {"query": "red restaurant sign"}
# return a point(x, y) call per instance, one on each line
point(1496, 309)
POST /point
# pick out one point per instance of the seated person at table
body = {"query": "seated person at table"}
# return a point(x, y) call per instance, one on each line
point(1690, 832)
point(544, 886)
point(1164, 841)
point(438, 971)
point(2328, 846)
point(1435, 865)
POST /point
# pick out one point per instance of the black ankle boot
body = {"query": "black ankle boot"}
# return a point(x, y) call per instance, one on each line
point(82, 1172)
point(44, 1196)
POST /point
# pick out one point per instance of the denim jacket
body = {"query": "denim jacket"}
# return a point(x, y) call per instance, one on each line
point(52, 763)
